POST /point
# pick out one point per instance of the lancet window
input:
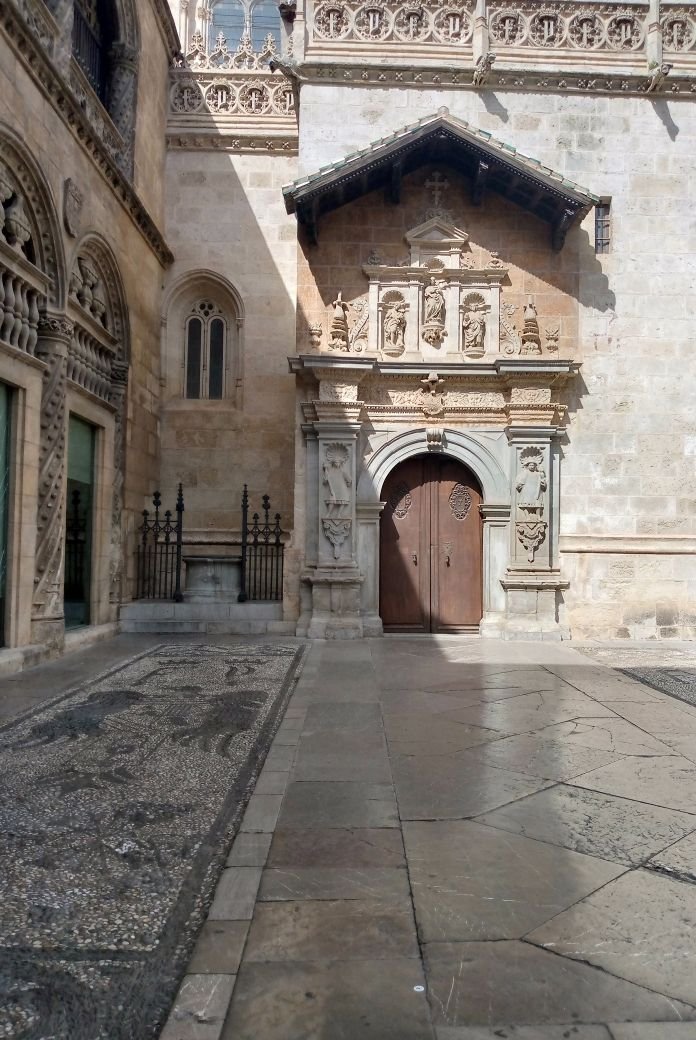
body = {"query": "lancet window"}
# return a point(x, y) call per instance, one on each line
point(206, 352)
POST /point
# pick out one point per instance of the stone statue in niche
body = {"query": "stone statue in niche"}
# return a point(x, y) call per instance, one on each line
point(434, 303)
point(337, 479)
point(338, 333)
point(395, 327)
point(474, 326)
point(531, 484)
point(434, 331)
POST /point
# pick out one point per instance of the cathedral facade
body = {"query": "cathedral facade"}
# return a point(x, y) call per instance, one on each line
point(421, 273)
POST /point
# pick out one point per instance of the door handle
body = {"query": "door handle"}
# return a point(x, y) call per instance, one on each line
point(447, 560)
point(414, 557)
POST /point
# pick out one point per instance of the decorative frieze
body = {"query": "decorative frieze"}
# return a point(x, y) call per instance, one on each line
point(584, 27)
point(239, 90)
point(425, 22)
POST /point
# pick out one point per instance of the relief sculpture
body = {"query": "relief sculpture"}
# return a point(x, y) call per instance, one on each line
point(531, 485)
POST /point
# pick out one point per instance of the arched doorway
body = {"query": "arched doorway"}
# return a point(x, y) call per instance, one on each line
point(431, 547)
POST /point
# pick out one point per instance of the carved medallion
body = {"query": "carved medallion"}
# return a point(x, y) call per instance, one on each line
point(460, 501)
point(401, 500)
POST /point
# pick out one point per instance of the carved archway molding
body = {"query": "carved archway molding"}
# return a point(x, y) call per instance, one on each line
point(26, 177)
point(190, 284)
point(98, 307)
point(461, 445)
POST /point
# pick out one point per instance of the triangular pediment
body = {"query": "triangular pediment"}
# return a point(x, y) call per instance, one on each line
point(437, 231)
point(490, 165)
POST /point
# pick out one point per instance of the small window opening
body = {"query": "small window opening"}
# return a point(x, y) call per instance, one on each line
point(603, 227)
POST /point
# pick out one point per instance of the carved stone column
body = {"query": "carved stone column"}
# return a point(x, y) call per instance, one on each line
point(122, 96)
point(533, 583)
point(48, 619)
point(117, 396)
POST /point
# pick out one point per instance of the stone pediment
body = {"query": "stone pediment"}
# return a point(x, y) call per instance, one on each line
point(436, 239)
point(437, 230)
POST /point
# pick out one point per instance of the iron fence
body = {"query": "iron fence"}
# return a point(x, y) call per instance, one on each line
point(262, 553)
point(158, 555)
point(75, 549)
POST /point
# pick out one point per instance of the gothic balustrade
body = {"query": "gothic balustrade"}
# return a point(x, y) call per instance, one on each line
point(227, 83)
point(90, 357)
point(22, 291)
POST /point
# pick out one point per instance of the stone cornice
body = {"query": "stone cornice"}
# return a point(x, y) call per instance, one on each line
point(256, 143)
point(544, 367)
point(167, 27)
point(54, 88)
point(365, 74)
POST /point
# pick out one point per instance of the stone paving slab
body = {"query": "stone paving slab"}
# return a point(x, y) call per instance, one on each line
point(615, 829)
point(639, 927)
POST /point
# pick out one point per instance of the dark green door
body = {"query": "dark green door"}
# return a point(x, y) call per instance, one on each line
point(79, 522)
point(5, 428)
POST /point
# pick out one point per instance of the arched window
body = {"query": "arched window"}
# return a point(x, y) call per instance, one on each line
point(233, 18)
point(206, 352)
point(94, 33)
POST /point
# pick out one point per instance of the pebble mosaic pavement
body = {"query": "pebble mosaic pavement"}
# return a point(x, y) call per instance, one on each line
point(118, 804)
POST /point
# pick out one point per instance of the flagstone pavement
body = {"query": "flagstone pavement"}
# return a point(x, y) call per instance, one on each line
point(456, 839)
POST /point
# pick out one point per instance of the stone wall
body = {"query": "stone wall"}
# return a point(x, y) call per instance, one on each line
point(228, 228)
point(628, 460)
point(113, 216)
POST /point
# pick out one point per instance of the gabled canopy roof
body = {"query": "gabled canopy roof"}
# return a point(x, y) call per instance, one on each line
point(489, 164)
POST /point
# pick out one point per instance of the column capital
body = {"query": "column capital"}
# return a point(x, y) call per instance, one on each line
point(55, 328)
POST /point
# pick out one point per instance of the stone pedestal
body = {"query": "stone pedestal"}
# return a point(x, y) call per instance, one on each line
point(335, 605)
point(212, 578)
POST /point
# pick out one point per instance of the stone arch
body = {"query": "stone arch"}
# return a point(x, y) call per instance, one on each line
point(178, 298)
point(20, 174)
point(96, 251)
point(459, 444)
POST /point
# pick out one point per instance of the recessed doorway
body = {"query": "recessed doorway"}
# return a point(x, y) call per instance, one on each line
point(431, 547)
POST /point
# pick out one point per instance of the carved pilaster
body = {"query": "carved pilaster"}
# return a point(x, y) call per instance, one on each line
point(117, 396)
point(122, 100)
point(55, 334)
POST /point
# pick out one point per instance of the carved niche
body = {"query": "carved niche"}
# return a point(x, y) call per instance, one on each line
point(437, 303)
point(531, 485)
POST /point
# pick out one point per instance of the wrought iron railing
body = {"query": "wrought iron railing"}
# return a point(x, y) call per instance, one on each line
point(75, 549)
point(262, 553)
point(158, 554)
point(87, 49)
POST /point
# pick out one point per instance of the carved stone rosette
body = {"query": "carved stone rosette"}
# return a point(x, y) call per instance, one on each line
point(55, 334)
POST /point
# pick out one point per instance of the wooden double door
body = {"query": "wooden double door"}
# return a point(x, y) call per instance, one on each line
point(431, 547)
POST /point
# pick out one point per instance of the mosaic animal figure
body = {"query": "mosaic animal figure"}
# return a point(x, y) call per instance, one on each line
point(226, 717)
point(79, 720)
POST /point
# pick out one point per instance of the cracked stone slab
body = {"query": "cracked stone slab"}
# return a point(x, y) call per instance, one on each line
point(613, 829)
point(679, 860)
point(639, 927)
point(471, 882)
point(492, 983)
point(606, 734)
point(666, 781)
point(508, 1032)
point(646, 1031)
point(200, 1008)
point(529, 712)
point(455, 786)
point(384, 883)
point(603, 683)
point(338, 804)
point(341, 1000)
point(334, 847)
point(537, 755)
point(342, 929)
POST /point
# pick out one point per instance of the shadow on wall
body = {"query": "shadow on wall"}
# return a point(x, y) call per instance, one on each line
point(225, 225)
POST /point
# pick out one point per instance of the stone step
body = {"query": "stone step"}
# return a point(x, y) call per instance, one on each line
point(219, 618)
